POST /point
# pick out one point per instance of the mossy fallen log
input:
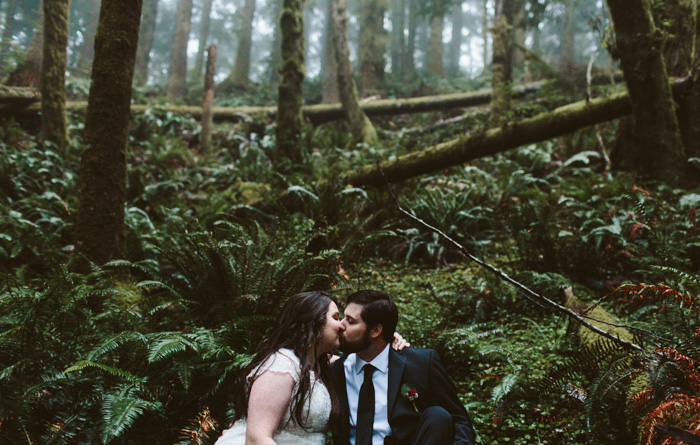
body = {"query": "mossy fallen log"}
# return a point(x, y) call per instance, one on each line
point(548, 125)
point(18, 96)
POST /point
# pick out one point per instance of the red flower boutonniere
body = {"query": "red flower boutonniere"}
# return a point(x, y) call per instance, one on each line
point(410, 394)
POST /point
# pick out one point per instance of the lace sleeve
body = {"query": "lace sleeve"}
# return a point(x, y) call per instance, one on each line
point(283, 361)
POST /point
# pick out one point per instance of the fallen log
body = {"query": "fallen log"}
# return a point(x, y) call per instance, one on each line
point(542, 127)
point(322, 113)
point(18, 96)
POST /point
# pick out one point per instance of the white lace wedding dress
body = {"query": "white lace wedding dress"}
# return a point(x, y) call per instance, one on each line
point(317, 411)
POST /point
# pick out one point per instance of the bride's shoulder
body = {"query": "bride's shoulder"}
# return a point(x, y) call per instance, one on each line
point(282, 361)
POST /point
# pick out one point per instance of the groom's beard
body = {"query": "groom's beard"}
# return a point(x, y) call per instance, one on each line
point(355, 346)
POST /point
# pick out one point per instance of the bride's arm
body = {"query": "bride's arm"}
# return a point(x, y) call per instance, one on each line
point(269, 397)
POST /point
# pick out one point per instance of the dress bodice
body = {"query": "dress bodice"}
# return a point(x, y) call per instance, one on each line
point(317, 410)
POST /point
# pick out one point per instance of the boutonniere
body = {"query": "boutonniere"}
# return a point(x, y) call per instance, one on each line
point(410, 394)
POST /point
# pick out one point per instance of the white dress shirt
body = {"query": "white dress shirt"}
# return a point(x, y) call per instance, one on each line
point(354, 376)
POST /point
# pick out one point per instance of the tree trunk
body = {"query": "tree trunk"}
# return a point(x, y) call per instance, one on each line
point(146, 32)
point(7, 32)
point(273, 70)
point(28, 73)
point(408, 64)
point(177, 74)
point(542, 127)
point(289, 117)
point(361, 128)
point(102, 174)
point(53, 73)
point(203, 38)
point(329, 68)
point(566, 56)
point(455, 50)
point(372, 46)
point(87, 49)
point(308, 20)
point(485, 33)
point(398, 39)
point(661, 154)
point(208, 100)
point(501, 67)
point(240, 73)
point(519, 34)
point(693, 110)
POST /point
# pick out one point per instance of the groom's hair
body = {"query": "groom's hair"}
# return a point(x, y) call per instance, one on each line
point(377, 309)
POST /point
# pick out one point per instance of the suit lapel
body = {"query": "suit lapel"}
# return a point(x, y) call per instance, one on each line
point(342, 390)
point(396, 365)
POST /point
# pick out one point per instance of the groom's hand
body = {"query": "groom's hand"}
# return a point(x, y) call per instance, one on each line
point(399, 343)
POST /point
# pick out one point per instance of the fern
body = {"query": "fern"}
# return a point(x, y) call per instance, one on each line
point(120, 409)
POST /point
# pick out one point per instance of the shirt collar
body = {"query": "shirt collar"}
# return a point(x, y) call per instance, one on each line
point(381, 361)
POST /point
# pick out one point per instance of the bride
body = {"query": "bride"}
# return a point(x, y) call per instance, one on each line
point(287, 396)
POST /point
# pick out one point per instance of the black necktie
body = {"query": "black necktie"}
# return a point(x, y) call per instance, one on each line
point(365, 409)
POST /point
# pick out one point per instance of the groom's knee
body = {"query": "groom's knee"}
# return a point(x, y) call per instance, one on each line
point(435, 426)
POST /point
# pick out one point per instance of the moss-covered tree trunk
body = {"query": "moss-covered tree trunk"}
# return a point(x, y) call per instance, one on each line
point(146, 33)
point(99, 229)
point(87, 49)
point(7, 32)
point(208, 100)
point(372, 46)
point(177, 74)
point(660, 151)
point(435, 65)
point(398, 38)
point(273, 69)
point(203, 38)
point(502, 64)
point(359, 124)
point(53, 73)
point(329, 68)
point(455, 48)
point(292, 71)
point(240, 72)
point(28, 73)
point(566, 54)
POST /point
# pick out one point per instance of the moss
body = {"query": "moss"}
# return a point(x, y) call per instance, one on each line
point(53, 74)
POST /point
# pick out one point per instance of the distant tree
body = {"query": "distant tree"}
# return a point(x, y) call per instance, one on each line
point(289, 117)
point(568, 31)
point(53, 73)
point(240, 73)
point(87, 48)
point(408, 63)
point(502, 65)
point(208, 100)
point(361, 128)
point(372, 45)
point(485, 34)
point(660, 151)
point(273, 68)
point(329, 67)
point(177, 74)
point(27, 73)
point(7, 33)
point(455, 49)
point(436, 48)
point(146, 32)
point(99, 229)
point(398, 38)
point(203, 39)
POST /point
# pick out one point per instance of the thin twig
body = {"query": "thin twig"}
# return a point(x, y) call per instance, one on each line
point(516, 284)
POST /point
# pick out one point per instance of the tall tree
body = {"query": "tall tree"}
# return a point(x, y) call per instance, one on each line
point(102, 174)
point(240, 73)
point(692, 138)
point(455, 49)
point(177, 74)
point(660, 151)
point(203, 38)
point(408, 63)
point(566, 56)
point(27, 73)
point(502, 65)
point(87, 48)
point(7, 33)
point(372, 45)
point(289, 117)
point(398, 38)
point(361, 128)
point(208, 100)
point(273, 69)
point(436, 47)
point(53, 73)
point(485, 34)
point(329, 67)
point(146, 33)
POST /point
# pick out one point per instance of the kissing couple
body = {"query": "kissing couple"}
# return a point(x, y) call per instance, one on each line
point(295, 392)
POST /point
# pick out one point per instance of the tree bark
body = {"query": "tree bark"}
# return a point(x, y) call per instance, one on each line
point(693, 110)
point(329, 68)
point(289, 117)
point(501, 67)
point(542, 127)
point(203, 38)
point(239, 77)
point(7, 33)
point(359, 124)
point(485, 34)
point(146, 32)
point(177, 74)
point(566, 55)
point(87, 49)
point(661, 154)
point(372, 46)
point(455, 49)
point(208, 100)
point(408, 63)
point(435, 46)
point(398, 39)
point(273, 69)
point(28, 73)
point(53, 73)
point(102, 174)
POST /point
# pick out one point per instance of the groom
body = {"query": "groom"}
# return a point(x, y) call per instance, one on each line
point(390, 397)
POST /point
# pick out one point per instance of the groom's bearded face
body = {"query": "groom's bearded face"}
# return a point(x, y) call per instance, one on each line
point(356, 337)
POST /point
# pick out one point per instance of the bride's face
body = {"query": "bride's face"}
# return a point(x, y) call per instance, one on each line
point(330, 334)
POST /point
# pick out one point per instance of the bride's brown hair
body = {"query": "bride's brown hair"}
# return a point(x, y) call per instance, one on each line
point(299, 327)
